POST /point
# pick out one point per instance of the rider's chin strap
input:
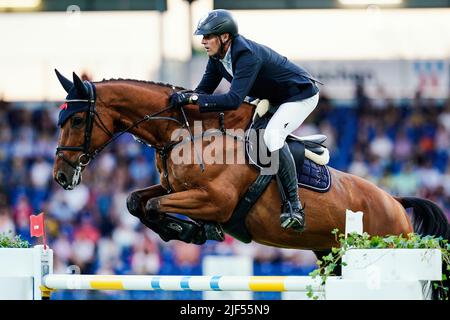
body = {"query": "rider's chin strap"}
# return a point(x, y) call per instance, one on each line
point(221, 52)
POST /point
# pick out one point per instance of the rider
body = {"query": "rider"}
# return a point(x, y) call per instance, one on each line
point(258, 71)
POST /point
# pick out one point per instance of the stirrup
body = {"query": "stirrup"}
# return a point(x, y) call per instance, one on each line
point(292, 219)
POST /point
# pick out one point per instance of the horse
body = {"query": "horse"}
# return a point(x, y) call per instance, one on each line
point(95, 112)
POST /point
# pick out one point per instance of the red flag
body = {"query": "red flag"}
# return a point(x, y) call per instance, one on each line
point(37, 225)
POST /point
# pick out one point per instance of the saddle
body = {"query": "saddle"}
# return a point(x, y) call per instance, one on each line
point(309, 153)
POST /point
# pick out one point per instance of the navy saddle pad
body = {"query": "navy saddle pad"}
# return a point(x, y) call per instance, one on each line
point(311, 175)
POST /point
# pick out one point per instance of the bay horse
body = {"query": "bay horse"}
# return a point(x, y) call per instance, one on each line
point(95, 111)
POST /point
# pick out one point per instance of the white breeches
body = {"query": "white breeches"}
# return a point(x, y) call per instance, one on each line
point(286, 119)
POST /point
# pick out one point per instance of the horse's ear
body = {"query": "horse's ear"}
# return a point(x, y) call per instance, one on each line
point(79, 85)
point(66, 83)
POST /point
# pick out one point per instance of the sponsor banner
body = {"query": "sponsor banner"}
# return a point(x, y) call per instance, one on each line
point(395, 79)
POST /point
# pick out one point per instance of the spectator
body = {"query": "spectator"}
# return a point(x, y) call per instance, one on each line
point(429, 176)
point(6, 221)
point(186, 254)
point(381, 146)
point(145, 258)
point(407, 181)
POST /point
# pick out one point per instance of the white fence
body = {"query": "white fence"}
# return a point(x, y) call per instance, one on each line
point(27, 274)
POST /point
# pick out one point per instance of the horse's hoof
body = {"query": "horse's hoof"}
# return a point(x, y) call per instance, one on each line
point(134, 204)
point(152, 209)
point(199, 238)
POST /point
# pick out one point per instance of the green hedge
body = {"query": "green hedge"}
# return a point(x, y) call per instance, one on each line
point(10, 241)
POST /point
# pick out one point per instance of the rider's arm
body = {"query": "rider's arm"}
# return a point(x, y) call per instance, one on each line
point(246, 69)
point(210, 80)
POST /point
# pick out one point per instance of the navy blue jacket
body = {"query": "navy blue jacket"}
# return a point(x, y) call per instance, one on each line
point(258, 72)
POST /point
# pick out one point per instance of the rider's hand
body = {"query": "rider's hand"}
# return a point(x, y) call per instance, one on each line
point(179, 99)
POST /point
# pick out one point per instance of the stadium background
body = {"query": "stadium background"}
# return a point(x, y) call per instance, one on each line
point(384, 107)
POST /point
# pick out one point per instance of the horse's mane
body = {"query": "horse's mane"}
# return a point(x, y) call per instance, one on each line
point(161, 84)
point(145, 82)
point(236, 117)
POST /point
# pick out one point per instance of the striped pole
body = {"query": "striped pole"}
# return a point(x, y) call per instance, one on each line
point(182, 283)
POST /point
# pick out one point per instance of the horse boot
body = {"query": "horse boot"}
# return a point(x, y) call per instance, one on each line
point(213, 231)
point(190, 231)
point(292, 214)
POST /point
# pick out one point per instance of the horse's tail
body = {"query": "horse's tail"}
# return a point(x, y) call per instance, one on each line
point(429, 219)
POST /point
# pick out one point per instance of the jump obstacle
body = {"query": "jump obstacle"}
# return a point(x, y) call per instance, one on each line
point(388, 274)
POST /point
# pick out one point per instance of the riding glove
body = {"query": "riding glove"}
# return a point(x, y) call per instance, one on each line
point(179, 99)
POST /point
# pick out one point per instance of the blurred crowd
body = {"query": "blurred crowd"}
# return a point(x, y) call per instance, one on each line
point(403, 148)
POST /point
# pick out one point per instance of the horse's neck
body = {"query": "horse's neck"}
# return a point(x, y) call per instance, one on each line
point(130, 102)
point(134, 101)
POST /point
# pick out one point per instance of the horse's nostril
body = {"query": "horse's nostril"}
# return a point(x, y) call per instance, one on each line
point(62, 179)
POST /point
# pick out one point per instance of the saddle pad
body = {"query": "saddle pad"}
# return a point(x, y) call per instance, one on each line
point(314, 177)
point(310, 175)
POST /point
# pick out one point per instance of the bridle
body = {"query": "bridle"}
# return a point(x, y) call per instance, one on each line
point(86, 156)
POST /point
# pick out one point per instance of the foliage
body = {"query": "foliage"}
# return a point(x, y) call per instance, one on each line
point(328, 263)
point(8, 241)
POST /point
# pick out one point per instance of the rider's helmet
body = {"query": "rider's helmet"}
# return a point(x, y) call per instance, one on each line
point(217, 22)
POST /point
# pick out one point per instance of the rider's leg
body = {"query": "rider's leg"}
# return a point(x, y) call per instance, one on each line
point(288, 117)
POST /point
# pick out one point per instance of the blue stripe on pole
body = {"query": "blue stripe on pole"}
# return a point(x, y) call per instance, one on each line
point(155, 283)
point(214, 283)
point(185, 283)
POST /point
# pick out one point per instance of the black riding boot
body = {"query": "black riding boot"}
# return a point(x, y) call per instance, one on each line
point(292, 215)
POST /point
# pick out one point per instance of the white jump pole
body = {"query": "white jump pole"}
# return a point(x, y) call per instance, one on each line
point(180, 283)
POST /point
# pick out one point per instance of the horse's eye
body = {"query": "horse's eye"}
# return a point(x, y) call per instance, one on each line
point(77, 121)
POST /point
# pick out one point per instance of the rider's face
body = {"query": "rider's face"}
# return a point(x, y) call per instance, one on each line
point(211, 44)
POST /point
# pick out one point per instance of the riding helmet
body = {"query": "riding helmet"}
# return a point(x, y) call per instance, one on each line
point(217, 22)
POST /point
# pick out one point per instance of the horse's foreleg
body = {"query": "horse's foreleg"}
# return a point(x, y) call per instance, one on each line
point(168, 227)
point(196, 204)
point(137, 199)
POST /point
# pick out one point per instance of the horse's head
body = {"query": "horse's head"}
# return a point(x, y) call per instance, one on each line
point(83, 133)
point(92, 114)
